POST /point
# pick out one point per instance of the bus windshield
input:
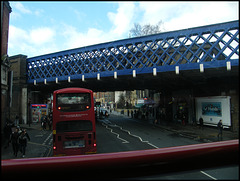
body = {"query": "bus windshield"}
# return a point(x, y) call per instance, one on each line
point(74, 126)
point(69, 102)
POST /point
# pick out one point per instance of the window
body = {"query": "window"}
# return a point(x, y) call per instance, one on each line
point(70, 102)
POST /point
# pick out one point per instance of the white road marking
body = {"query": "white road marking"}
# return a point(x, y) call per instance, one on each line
point(136, 136)
point(44, 142)
point(108, 122)
point(208, 175)
point(38, 135)
point(124, 141)
point(39, 144)
point(50, 141)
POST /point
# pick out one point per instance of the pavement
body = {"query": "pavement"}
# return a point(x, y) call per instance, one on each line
point(33, 149)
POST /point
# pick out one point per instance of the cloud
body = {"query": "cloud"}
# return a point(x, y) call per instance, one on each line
point(41, 35)
point(18, 9)
point(181, 15)
point(34, 42)
point(123, 19)
point(19, 6)
point(75, 39)
point(31, 42)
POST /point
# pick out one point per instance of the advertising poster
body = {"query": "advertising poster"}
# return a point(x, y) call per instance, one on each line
point(212, 109)
point(38, 110)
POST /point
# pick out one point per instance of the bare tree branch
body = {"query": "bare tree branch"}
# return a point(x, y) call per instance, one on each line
point(147, 29)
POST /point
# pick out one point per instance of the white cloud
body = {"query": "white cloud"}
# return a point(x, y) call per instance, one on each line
point(74, 38)
point(42, 35)
point(121, 24)
point(181, 15)
point(18, 9)
point(19, 6)
point(31, 43)
point(122, 20)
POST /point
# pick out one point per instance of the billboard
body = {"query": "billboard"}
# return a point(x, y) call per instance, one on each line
point(212, 109)
point(38, 110)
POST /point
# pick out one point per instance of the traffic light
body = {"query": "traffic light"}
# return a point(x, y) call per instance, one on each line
point(98, 104)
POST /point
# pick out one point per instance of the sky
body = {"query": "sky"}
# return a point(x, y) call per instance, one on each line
point(42, 27)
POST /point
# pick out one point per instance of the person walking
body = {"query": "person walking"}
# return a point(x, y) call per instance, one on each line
point(16, 121)
point(220, 129)
point(7, 133)
point(49, 122)
point(23, 142)
point(14, 141)
point(201, 122)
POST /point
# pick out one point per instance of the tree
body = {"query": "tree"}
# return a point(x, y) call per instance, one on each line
point(121, 101)
point(147, 29)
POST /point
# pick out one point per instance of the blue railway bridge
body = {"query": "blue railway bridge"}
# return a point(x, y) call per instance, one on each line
point(169, 60)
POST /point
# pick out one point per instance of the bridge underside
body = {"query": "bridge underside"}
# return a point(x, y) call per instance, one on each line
point(209, 79)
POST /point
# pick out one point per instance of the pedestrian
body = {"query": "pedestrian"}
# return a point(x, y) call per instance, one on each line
point(7, 133)
point(14, 141)
point(147, 113)
point(50, 122)
point(16, 121)
point(44, 122)
point(23, 141)
point(220, 129)
point(201, 122)
point(183, 119)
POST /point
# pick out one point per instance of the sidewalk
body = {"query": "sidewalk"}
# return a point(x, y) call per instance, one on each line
point(33, 149)
point(207, 134)
point(36, 126)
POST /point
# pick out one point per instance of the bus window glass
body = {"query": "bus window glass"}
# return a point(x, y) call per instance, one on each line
point(73, 126)
point(69, 102)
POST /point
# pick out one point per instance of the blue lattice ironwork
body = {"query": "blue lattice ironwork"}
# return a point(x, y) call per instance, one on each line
point(210, 46)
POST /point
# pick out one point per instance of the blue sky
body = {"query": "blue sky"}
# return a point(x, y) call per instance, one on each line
point(41, 27)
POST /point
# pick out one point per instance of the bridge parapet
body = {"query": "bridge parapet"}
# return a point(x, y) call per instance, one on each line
point(209, 46)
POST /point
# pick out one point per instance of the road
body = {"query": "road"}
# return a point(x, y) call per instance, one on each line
point(117, 134)
point(134, 134)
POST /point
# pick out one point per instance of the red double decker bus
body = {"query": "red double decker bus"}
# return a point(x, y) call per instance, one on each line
point(74, 131)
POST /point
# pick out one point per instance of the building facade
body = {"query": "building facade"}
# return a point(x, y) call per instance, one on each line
point(5, 65)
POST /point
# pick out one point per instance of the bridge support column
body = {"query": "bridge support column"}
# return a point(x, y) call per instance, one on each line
point(19, 89)
point(24, 105)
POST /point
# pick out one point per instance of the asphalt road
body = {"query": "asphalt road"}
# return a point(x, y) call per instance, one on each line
point(128, 134)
